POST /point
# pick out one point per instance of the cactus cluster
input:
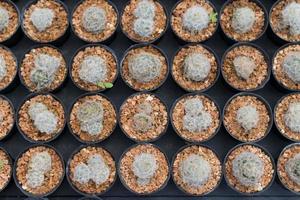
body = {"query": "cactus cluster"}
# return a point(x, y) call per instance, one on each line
point(248, 117)
point(244, 66)
point(196, 119)
point(195, 19)
point(90, 115)
point(144, 12)
point(292, 117)
point(291, 66)
point(4, 19)
point(243, 19)
point(3, 69)
point(144, 67)
point(142, 120)
point(44, 71)
point(292, 167)
point(93, 69)
point(248, 169)
point(43, 119)
point(95, 170)
point(196, 67)
point(144, 167)
point(94, 19)
point(291, 18)
point(42, 18)
point(195, 170)
point(39, 164)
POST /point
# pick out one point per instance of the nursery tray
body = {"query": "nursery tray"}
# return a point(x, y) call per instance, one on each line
point(169, 92)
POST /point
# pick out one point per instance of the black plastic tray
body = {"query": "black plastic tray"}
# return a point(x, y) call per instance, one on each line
point(170, 142)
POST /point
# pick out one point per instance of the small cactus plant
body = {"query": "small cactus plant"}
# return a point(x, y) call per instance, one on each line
point(144, 9)
point(292, 117)
point(42, 18)
point(94, 19)
point(3, 69)
point(143, 27)
point(196, 67)
point(244, 66)
point(292, 167)
point(142, 121)
point(4, 19)
point(195, 19)
point(248, 117)
point(291, 66)
point(291, 18)
point(243, 20)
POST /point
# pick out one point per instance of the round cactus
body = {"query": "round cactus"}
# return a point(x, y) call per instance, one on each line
point(145, 9)
point(145, 107)
point(248, 117)
point(292, 167)
point(4, 19)
point(142, 122)
point(291, 66)
point(93, 69)
point(34, 178)
point(243, 20)
point(196, 67)
point(248, 169)
point(99, 169)
point(3, 69)
point(144, 67)
point(193, 106)
point(143, 27)
point(195, 19)
point(292, 117)
point(195, 170)
point(82, 173)
point(291, 18)
point(244, 66)
point(197, 123)
point(94, 19)
point(42, 18)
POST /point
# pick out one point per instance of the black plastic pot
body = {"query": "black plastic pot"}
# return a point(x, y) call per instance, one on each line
point(69, 113)
point(82, 49)
point(260, 98)
point(182, 41)
point(178, 186)
point(154, 41)
point(12, 167)
point(87, 196)
point(136, 46)
point(123, 181)
point(262, 85)
point(232, 186)
point(13, 109)
point(37, 47)
point(134, 139)
point(266, 22)
point(195, 94)
point(105, 41)
point(30, 96)
point(211, 51)
point(28, 193)
point(57, 42)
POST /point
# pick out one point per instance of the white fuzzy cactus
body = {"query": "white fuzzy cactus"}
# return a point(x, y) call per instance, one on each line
point(3, 69)
point(195, 170)
point(195, 19)
point(292, 117)
point(34, 178)
point(292, 167)
point(42, 18)
point(44, 120)
point(248, 117)
point(93, 69)
point(143, 27)
point(94, 19)
point(142, 122)
point(291, 66)
point(144, 9)
point(193, 106)
point(244, 66)
point(145, 107)
point(90, 115)
point(4, 19)
point(291, 18)
point(44, 71)
point(1, 117)
point(144, 67)
point(144, 167)
point(196, 67)
point(243, 19)
point(248, 169)
point(82, 173)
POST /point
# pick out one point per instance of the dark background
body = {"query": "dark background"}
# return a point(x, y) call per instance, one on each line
point(170, 142)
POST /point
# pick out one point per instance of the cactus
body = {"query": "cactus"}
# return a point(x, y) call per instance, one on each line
point(4, 19)
point(196, 67)
point(248, 169)
point(248, 117)
point(142, 122)
point(144, 9)
point(243, 20)
point(291, 18)
point(291, 66)
point(93, 69)
point(42, 18)
point(244, 66)
point(195, 170)
point(94, 19)
point(82, 173)
point(292, 167)
point(3, 69)
point(144, 67)
point(195, 19)
point(144, 167)
point(143, 27)
point(292, 117)
point(193, 106)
